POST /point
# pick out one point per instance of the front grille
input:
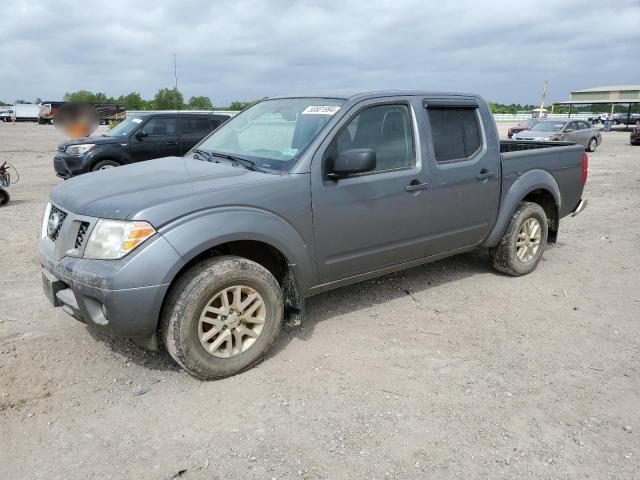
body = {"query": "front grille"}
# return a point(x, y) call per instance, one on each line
point(82, 231)
point(55, 222)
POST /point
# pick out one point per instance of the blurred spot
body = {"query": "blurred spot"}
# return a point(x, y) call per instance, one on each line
point(76, 120)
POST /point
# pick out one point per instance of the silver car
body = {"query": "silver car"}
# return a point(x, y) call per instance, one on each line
point(578, 131)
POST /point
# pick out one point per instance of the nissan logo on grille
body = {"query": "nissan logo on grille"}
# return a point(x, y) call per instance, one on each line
point(56, 218)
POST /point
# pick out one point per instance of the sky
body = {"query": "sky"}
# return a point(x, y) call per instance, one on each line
point(243, 50)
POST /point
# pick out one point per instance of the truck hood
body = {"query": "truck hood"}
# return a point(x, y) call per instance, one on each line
point(121, 193)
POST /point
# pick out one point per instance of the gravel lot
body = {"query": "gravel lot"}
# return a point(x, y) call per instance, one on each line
point(449, 370)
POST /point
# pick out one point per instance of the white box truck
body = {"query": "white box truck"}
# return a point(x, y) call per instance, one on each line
point(22, 112)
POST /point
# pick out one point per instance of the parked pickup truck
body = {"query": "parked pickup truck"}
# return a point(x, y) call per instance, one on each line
point(293, 197)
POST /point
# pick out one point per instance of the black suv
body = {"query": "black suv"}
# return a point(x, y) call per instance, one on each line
point(138, 138)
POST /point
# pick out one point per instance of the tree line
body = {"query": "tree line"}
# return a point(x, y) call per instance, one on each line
point(164, 99)
point(172, 99)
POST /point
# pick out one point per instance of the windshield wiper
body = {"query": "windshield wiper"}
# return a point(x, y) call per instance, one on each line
point(204, 153)
point(248, 164)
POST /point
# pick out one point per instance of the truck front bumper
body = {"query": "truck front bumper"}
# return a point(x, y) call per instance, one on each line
point(104, 293)
point(582, 204)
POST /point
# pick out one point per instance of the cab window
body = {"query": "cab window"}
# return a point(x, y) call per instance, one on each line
point(386, 129)
point(455, 132)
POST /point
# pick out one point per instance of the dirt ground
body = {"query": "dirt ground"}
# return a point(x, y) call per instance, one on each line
point(449, 370)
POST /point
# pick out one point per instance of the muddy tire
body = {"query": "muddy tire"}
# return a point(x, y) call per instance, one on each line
point(221, 317)
point(524, 241)
point(104, 165)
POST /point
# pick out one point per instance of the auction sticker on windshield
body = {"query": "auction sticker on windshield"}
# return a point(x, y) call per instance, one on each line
point(321, 110)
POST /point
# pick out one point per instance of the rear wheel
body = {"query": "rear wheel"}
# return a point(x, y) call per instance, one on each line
point(524, 241)
point(4, 196)
point(592, 145)
point(222, 316)
point(105, 165)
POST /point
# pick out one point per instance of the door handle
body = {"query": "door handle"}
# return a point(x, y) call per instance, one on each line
point(414, 186)
point(484, 173)
point(171, 142)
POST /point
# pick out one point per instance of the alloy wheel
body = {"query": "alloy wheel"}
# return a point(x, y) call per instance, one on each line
point(528, 240)
point(232, 321)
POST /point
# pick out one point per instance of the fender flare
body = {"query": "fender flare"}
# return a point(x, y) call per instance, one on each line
point(525, 184)
point(201, 231)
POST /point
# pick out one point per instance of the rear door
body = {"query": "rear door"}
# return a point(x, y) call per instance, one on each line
point(161, 140)
point(193, 128)
point(465, 173)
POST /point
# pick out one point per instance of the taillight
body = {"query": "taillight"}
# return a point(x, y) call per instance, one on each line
point(585, 168)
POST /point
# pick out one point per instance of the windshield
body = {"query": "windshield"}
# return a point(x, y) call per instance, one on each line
point(124, 128)
point(548, 127)
point(273, 133)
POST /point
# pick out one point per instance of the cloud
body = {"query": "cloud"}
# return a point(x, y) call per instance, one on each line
point(232, 50)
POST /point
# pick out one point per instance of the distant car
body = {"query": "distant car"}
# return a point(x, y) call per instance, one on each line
point(626, 119)
point(635, 136)
point(522, 126)
point(138, 138)
point(577, 131)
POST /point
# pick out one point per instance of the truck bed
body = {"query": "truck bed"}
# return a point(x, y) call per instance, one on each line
point(562, 160)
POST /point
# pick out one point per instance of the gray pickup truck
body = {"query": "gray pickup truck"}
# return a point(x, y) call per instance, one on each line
point(295, 196)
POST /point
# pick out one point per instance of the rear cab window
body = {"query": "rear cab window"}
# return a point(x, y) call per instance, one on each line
point(455, 131)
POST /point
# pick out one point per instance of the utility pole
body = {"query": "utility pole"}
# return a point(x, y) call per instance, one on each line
point(544, 94)
point(175, 70)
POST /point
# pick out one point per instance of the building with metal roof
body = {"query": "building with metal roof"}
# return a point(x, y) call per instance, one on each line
point(628, 95)
point(613, 94)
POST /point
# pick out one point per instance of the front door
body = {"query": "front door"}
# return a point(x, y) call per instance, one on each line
point(161, 140)
point(369, 221)
point(465, 173)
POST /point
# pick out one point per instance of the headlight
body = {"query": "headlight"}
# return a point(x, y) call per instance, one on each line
point(112, 239)
point(79, 149)
point(45, 220)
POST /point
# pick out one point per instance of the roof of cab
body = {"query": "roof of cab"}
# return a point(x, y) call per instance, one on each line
point(366, 95)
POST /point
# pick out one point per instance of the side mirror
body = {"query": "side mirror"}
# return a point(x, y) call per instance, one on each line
point(353, 161)
point(141, 134)
point(568, 130)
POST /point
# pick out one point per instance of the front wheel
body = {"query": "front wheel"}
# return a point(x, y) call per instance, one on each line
point(592, 145)
point(105, 165)
point(221, 317)
point(524, 241)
